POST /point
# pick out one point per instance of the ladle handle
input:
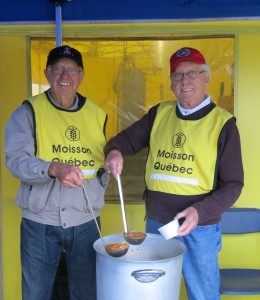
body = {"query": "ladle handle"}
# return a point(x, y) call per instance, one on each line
point(122, 202)
point(92, 212)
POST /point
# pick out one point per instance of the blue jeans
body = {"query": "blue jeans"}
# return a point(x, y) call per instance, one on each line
point(41, 247)
point(200, 261)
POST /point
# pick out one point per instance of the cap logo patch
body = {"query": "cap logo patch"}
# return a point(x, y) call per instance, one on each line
point(67, 51)
point(183, 52)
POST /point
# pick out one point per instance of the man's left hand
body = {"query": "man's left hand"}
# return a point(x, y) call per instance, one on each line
point(191, 217)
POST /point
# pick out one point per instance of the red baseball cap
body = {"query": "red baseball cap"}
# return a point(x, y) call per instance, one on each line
point(186, 54)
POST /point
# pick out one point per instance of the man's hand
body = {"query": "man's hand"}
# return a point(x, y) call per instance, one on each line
point(114, 163)
point(68, 175)
point(191, 220)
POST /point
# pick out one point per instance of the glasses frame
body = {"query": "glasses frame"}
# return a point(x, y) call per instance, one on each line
point(61, 70)
point(188, 74)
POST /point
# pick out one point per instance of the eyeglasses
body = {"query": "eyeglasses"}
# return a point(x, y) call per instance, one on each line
point(178, 76)
point(61, 70)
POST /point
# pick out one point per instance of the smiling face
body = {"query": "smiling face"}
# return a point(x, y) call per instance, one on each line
point(190, 91)
point(64, 78)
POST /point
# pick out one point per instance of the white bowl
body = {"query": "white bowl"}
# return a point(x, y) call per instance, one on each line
point(169, 230)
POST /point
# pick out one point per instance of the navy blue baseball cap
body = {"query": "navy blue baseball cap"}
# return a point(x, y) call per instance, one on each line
point(64, 52)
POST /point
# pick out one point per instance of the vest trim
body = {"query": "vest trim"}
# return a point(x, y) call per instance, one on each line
point(176, 179)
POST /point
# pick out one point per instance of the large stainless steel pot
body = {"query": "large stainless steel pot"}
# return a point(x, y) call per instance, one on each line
point(149, 271)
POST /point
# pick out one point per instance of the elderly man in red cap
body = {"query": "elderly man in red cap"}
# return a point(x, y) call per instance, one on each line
point(194, 169)
point(54, 145)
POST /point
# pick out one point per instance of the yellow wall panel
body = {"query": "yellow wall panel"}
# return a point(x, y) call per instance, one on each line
point(248, 108)
point(13, 77)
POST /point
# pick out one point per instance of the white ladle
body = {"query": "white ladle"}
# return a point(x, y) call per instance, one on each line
point(132, 237)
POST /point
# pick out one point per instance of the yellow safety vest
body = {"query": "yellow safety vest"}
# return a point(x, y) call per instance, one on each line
point(72, 137)
point(183, 153)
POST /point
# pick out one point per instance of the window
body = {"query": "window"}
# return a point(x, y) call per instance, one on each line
point(127, 77)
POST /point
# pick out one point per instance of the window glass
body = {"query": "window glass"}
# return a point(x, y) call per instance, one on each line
point(127, 77)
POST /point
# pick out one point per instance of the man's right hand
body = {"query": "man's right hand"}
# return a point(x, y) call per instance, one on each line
point(114, 163)
point(68, 175)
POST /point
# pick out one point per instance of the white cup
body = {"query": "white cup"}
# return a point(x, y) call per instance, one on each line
point(169, 230)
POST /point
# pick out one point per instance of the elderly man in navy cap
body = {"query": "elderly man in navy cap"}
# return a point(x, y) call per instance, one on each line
point(193, 171)
point(54, 145)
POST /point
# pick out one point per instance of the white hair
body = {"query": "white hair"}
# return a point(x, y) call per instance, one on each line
point(206, 68)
